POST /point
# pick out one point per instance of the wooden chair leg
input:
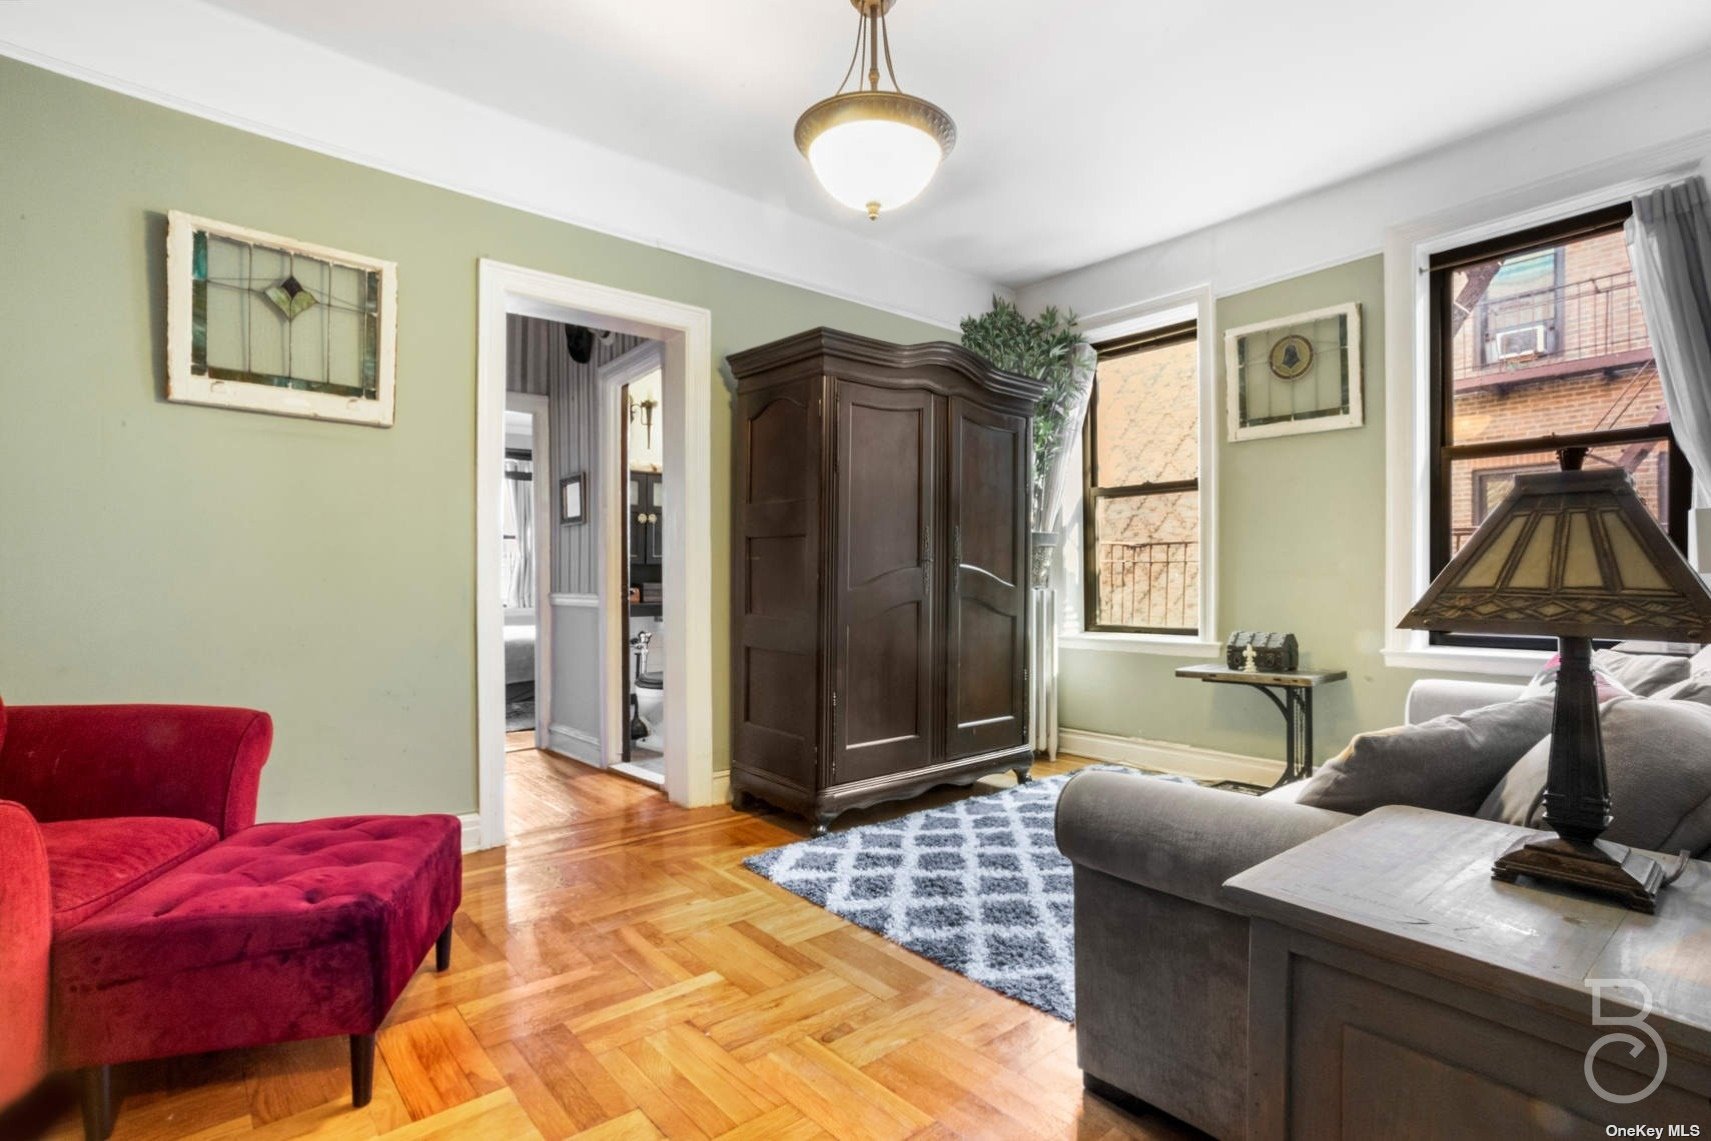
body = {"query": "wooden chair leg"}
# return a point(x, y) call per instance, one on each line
point(98, 1103)
point(443, 949)
point(362, 1069)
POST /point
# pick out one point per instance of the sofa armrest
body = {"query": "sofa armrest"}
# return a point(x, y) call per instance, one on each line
point(1181, 839)
point(26, 920)
point(80, 762)
point(1434, 697)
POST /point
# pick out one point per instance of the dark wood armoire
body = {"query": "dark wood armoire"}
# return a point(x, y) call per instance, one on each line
point(880, 579)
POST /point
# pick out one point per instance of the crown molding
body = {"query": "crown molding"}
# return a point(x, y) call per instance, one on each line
point(190, 57)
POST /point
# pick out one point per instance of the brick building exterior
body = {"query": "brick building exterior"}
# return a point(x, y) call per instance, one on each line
point(1563, 349)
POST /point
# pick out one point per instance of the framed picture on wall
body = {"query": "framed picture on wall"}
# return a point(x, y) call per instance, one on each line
point(262, 323)
point(1294, 375)
point(571, 506)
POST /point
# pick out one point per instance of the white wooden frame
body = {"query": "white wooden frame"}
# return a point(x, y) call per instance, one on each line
point(540, 491)
point(1355, 417)
point(611, 511)
point(184, 386)
point(685, 333)
point(1196, 305)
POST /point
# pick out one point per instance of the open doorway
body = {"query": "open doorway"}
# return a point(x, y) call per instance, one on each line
point(632, 390)
point(594, 616)
point(525, 556)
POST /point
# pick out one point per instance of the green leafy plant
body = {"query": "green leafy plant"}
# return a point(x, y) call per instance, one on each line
point(1049, 348)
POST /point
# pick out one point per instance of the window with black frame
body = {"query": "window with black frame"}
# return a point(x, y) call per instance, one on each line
point(1141, 467)
point(1539, 342)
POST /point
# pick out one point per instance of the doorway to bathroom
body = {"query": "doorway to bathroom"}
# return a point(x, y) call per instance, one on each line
point(633, 383)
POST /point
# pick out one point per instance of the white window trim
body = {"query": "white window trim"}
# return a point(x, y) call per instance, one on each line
point(1196, 305)
point(1408, 251)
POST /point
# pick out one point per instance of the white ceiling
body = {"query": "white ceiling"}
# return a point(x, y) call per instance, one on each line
point(1086, 129)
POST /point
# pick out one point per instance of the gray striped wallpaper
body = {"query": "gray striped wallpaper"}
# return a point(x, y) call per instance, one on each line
point(538, 362)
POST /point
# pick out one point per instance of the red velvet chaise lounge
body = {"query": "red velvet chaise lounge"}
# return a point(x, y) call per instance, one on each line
point(179, 926)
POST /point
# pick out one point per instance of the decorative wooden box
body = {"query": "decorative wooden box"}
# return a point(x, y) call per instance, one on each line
point(1273, 653)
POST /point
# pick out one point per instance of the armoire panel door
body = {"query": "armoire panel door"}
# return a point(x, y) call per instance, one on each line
point(886, 503)
point(987, 611)
point(777, 603)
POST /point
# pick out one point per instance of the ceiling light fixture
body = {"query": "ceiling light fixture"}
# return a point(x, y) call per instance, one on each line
point(874, 150)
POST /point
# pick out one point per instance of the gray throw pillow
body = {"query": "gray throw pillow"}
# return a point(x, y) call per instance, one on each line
point(1448, 763)
point(1696, 688)
point(1642, 674)
point(1658, 758)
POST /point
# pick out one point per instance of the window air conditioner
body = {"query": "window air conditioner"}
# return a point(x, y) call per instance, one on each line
point(1511, 344)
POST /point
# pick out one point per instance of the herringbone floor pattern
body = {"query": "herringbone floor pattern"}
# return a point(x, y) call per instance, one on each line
point(617, 974)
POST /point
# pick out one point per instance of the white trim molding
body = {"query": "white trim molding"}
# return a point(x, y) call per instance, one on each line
point(1112, 642)
point(576, 600)
point(1407, 375)
point(575, 744)
point(1169, 757)
point(197, 58)
point(689, 385)
point(611, 515)
point(471, 822)
point(1191, 305)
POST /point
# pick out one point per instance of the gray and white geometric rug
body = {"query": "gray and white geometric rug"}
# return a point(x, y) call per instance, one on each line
point(977, 886)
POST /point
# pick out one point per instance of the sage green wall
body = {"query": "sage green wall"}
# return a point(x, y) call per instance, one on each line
point(1300, 548)
point(323, 572)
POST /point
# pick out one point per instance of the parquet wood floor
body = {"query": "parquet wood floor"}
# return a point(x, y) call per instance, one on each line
point(617, 974)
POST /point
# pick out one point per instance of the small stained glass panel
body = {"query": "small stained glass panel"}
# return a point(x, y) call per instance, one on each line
point(1297, 374)
point(267, 324)
point(289, 320)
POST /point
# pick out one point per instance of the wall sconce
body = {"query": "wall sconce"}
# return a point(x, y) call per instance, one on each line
point(645, 413)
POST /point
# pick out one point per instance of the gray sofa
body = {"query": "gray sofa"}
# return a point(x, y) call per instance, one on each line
point(1161, 962)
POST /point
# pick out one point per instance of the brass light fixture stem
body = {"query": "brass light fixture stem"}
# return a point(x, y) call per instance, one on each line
point(873, 48)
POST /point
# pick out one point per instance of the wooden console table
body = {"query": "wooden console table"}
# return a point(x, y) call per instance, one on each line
point(1396, 989)
point(1294, 699)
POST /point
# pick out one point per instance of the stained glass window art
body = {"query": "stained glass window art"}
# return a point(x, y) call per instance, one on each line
point(267, 324)
point(1298, 374)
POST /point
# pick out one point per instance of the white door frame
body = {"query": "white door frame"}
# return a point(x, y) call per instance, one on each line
point(612, 490)
point(685, 334)
point(540, 491)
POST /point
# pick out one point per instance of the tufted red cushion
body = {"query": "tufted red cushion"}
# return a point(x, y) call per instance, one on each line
point(280, 932)
point(95, 863)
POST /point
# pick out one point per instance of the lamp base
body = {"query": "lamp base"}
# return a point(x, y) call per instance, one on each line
point(1598, 866)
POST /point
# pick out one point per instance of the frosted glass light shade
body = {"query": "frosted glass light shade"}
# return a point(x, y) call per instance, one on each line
point(873, 150)
point(874, 165)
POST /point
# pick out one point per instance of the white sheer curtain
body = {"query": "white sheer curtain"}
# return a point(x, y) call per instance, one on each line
point(1669, 244)
point(520, 511)
point(1050, 516)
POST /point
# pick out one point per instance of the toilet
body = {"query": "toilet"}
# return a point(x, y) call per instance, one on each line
point(648, 685)
point(650, 701)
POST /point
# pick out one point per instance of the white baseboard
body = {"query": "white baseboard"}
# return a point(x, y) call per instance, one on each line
point(722, 787)
point(471, 831)
point(1166, 756)
point(575, 743)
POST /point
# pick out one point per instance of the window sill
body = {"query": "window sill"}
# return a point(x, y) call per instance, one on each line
point(1167, 645)
point(1468, 660)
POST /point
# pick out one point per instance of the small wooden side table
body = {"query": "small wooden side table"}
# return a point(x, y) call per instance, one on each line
point(1396, 989)
point(1293, 698)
